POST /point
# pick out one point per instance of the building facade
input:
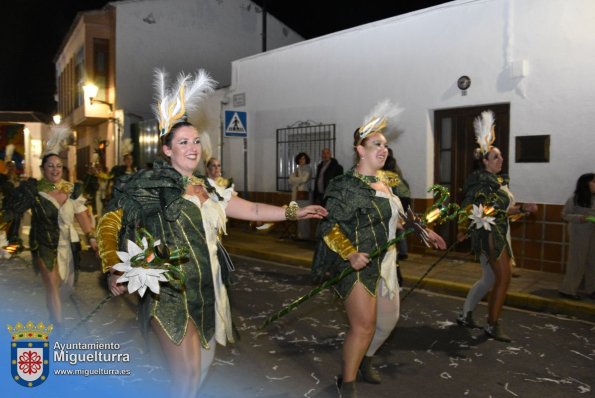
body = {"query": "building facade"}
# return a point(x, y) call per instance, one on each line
point(530, 61)
point(105, 66)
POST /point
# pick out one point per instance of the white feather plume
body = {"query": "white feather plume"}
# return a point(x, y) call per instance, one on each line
point(485, 134)
point(57, 142)
point(127, 146)
point(380, 117)
point(185, 96)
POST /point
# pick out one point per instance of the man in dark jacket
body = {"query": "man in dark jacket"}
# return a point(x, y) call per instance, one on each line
point(326, 171)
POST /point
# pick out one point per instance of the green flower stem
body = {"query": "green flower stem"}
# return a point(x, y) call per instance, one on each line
point(333, 281)
point(87, 317)
point(447, 213)
point(430, 268)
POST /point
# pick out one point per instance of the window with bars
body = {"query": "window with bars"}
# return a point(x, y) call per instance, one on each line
point(304, 137)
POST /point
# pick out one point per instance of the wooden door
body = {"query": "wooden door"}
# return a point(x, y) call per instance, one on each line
point(454, 146)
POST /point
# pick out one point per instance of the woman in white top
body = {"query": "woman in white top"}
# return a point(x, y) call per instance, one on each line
point(299, 181)
point(55, 204)
point(183, 210)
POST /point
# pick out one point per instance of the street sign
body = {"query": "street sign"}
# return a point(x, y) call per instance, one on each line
point(235, 124)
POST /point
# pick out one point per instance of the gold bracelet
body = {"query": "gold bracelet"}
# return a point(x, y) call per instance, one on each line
point(89, 236)
point(291, 211)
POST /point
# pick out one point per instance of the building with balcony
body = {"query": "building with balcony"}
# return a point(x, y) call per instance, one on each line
point(105, 67)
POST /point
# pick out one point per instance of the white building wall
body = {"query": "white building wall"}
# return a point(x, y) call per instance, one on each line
point(184, 35)
point(415, 60)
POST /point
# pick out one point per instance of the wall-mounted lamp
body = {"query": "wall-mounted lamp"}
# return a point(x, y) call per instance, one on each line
point(90, 91)
point(57, 118)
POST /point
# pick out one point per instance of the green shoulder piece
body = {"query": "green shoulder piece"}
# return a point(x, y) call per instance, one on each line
point(149, 192)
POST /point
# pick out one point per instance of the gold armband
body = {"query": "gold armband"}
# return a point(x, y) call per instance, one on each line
point(336, 240)
point(108, 230)
point(291, 211)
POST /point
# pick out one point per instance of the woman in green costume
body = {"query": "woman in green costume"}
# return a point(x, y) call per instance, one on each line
point(183, 211)
point(490, 238)
point(55, 205)
point(364, 214)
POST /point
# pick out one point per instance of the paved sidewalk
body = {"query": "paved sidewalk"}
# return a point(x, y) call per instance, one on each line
point(530, 290)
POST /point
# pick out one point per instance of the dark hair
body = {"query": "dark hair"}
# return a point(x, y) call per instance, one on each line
point(211, 160)
point(299, 156)
point(582, 193)
point(390, 163)
point(46, 157)
point(479, 156)
point(356, 139)
point(168, 138)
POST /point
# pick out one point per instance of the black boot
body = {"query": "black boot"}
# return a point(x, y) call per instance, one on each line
point(496, 332)
point(368, 373)
point(346, 389)
point(467, 320)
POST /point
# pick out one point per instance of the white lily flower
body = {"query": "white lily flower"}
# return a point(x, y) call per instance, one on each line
point(139, 278)
point(480, 220)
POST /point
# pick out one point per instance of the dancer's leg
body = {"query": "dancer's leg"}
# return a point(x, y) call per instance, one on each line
point(386, 318)
point(184, 360)
point(51, 281)
point(361, 314)
point(481, 287)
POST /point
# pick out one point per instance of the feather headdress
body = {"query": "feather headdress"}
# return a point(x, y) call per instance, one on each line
point(59, 134)
point(173, 104)
point(381, 116)
point(126, 147)
point(485, 133)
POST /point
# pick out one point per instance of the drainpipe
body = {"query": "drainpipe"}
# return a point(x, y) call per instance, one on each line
point(264, 26)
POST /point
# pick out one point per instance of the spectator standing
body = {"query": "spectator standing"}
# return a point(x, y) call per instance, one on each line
point(299, 181)
point(581, 252)
point(326, 170)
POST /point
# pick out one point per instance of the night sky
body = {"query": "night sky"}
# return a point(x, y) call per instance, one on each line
point(32, 31)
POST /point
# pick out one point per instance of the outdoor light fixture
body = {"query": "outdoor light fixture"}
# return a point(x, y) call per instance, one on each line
point(90, 91)
point(57, 118)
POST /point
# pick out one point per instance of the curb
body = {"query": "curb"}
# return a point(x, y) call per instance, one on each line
point(525, 301)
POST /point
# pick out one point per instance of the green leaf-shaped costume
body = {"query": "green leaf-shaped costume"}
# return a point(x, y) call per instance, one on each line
point(490, 189)
point(153, 200)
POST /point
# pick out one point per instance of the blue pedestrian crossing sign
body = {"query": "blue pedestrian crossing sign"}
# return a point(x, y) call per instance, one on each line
point(235, 124)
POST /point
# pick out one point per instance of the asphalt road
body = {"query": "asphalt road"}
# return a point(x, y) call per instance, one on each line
point(428, 355)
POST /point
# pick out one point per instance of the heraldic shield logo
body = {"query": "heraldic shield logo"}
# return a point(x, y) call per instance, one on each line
point(30, 353)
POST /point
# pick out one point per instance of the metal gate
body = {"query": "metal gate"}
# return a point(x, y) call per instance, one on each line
point(311, 139)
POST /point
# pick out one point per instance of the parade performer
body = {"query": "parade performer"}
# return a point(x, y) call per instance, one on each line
point(364, 214)
point(183, 211)
point(55, 204)
point(488, 194)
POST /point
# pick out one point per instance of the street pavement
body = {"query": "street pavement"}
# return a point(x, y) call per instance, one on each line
point(299, 355)
point(529, 290)
point(428, 355)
